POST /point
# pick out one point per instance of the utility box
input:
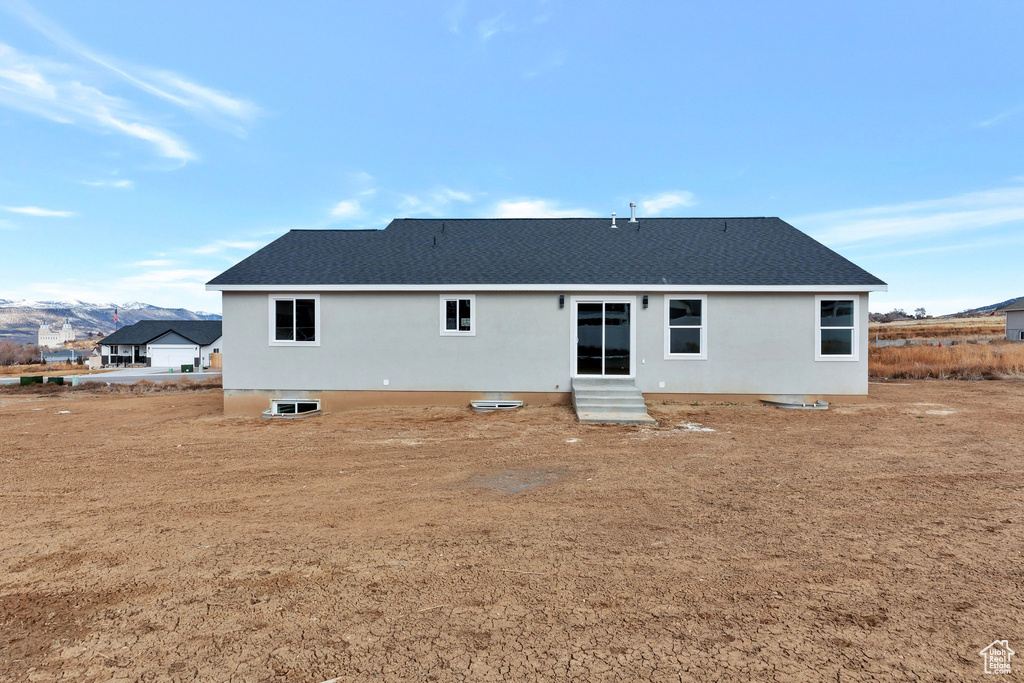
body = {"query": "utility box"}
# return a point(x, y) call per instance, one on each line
point(187, 368)
point(33, 379)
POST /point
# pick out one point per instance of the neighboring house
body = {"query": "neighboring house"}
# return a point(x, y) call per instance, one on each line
point(1015, 320)
point(163, 343)
point(443, 311)
point(48, 337)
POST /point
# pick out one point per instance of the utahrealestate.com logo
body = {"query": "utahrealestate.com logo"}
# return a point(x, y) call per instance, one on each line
point(997, 657)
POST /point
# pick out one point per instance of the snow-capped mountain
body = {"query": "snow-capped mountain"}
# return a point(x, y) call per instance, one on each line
point(20, 318)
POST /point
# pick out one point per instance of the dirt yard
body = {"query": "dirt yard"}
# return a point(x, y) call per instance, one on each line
point(150, 538)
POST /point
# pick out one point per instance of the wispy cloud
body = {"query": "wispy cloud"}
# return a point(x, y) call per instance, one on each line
point(172, 287)
point(488, 28)
point(119, 184)
point(36, 211)
point(7, 225)
point(989, 243)
point(55, 91)
point(159, 279)
point(70, 92)
point(454, 15)
point(551, 63)
point(346, 209)
point(1000, 117)
point(436, 202)
point(655, 206)
point(362, 183)
point(167, 85)
point(154, 263)
point(912, 220)
point(536, 208)
point(220, 246)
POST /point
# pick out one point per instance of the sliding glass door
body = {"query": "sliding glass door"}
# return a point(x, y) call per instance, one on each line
point(603, 337)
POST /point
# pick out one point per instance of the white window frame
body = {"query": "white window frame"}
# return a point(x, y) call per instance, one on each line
point(272, 318)
point(703, 355)
point(855, 329)
point(444, 298)
point(276, 402)
point(574, 329)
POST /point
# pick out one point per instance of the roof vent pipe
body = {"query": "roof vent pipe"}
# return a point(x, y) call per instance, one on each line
point(613, 220)
point(632, 212)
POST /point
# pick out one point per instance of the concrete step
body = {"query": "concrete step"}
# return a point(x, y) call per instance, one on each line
point(610, 385)
point(586, 407)
point(608, 395)
point(615, 418)
point(609, 401)
point(637, 401)
point(607, 392)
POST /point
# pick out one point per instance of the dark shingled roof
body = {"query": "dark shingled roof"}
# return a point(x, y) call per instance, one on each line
point(200, 332)
point(519, 251)
point(1017, 305)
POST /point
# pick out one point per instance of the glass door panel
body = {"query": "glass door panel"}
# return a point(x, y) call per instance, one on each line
point(616, 339)
point(602, 338)
point(589, 338)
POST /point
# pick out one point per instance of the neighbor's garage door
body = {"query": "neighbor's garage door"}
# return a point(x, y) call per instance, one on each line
point(172, 356)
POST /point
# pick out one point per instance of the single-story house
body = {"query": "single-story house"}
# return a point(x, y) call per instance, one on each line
point(435, 311)
point(1014, 320)
point(163, 343)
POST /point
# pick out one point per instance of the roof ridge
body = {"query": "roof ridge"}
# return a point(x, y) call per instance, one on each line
point(574, 218)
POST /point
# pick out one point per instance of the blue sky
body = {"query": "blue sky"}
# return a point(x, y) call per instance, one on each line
point(145, 147)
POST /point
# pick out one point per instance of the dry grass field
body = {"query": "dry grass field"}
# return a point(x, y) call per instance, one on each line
point(47, 370)
point(996, 360)
point(148, 537)
point(143, 386)
point(989, 327)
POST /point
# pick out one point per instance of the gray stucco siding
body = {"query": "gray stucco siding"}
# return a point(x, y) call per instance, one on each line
point(756, 344)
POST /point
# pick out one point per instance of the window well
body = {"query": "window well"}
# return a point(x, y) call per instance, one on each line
point(293, 408)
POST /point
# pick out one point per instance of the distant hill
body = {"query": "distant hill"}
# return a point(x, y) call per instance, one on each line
point(981, 310)
point(20, 320)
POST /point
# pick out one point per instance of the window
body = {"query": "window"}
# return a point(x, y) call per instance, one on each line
point(295, 320)
point(686, 327)
point(836, 326)
point(293, 408)
point(458, 315)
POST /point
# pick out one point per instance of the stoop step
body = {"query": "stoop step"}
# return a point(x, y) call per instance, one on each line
point(609, 401)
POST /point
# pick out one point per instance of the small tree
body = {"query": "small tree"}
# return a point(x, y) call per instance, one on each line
point(920, 313)
point(9, 352)
point(31, 353)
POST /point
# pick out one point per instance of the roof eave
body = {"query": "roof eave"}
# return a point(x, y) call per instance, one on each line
point(846, 288)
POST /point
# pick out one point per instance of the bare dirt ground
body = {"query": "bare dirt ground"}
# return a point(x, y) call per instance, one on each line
point(150, 538)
